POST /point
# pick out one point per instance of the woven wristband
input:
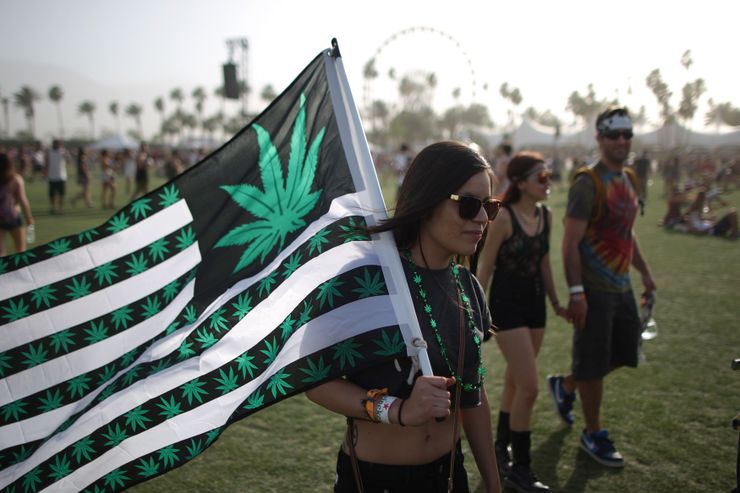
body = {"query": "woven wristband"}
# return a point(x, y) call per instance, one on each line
point(373, 396)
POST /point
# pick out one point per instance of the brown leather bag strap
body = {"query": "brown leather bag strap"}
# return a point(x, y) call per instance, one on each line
point(349, 440)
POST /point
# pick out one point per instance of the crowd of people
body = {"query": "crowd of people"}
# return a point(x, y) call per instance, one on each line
point(403, 429)
point(694, 198)
point(122, 174)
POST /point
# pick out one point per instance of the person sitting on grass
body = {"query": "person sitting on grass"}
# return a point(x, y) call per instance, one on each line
point(702, 223)
point(675, 218)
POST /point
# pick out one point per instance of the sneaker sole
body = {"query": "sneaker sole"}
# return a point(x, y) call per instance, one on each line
point(555, 406)
point(603, 462)
point(510, 484)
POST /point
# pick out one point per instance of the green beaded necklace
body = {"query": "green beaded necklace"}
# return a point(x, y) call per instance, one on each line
point(416, 277)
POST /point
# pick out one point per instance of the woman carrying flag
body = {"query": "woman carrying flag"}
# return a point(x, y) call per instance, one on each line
point(403, 428)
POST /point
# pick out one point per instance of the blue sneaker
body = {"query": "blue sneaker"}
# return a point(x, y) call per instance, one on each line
point(601, 448)
point(563, 400)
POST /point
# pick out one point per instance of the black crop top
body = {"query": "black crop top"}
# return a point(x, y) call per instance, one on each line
point(442, 296)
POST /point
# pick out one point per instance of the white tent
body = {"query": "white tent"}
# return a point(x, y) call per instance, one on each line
point(115, 142)
point(674, 135)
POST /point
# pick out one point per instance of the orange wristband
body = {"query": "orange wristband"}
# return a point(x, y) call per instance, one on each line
point(370, 402)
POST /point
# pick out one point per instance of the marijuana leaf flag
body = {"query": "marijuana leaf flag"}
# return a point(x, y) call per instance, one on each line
point(127, 349)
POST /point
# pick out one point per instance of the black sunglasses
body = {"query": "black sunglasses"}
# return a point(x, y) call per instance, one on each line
point(615, 134)
point(543, 175)
point(469, 206)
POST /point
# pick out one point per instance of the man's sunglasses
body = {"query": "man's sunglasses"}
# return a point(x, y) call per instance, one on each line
point(469, 206)
point(615, 134)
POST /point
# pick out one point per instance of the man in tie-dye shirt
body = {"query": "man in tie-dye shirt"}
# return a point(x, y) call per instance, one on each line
point(599, 246)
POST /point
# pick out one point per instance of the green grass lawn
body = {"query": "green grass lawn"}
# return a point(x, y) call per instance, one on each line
point(670, 417)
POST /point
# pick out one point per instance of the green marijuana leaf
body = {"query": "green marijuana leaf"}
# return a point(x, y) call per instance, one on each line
point(284, 201)
point(58, 247)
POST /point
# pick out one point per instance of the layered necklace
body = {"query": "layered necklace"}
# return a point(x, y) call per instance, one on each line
point(416, 277)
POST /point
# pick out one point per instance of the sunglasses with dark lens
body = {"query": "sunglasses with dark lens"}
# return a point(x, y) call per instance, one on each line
point(615, 134)
point(469, 206)
point(543, 175)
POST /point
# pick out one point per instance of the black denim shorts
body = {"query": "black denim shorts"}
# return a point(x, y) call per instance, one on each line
point(611, 336)
point(385, 478)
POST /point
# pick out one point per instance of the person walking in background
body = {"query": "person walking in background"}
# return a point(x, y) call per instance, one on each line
point(394, 441)
point(599, 245)
point(55, 170)
point(37, 161)
point(83, 178)
point(500, 163)
point(516, 256)
point(642, 167)
point(129, 169)
point(108, 180)
point(400, 164)
point(143, 163)
point(173, 165)
point(13, 201)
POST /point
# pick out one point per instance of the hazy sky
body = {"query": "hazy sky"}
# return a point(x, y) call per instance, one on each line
point(141, 49)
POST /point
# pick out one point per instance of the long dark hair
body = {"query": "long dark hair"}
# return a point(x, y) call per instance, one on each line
point(517, 171)
point(7, 170)
point(437, 171)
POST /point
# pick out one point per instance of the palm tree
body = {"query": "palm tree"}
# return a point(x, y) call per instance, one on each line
point(87, 108)
point(177, 96)
point(134, 111)
point(199, 95)
point(113, 108)
point(25, 98)
point(159, 106)
point(56, 94)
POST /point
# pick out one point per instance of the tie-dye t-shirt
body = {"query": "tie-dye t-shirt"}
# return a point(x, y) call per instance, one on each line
point(606, 248)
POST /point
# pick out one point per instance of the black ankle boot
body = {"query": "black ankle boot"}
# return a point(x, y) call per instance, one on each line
point(521, 478)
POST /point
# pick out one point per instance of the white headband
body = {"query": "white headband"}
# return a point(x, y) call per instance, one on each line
point(618, 121)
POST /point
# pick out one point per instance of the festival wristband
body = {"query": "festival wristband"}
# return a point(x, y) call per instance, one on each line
point(373, 396)
point(578, 297)
point(383, 408)
point(576, 289)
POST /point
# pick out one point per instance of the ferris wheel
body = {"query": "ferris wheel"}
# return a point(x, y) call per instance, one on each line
point(412, 50)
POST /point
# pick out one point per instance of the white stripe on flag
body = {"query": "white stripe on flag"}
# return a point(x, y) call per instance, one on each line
point(58, 370)
point(250, 331)
point(42, 425)
point(96, 253)
point(98, 303)
point(341, 324)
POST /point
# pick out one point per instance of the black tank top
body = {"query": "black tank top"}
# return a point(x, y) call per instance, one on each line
point(521, 254)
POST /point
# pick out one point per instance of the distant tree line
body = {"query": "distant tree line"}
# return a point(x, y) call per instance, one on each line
point(410, 118)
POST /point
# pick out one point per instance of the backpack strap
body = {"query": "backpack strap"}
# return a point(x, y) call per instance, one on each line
point(599, 191)
point(635, 182)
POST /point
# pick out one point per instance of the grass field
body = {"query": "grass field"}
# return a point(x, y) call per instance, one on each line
point(670, 417)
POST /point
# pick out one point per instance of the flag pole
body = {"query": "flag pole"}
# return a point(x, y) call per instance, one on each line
point(361, 165)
